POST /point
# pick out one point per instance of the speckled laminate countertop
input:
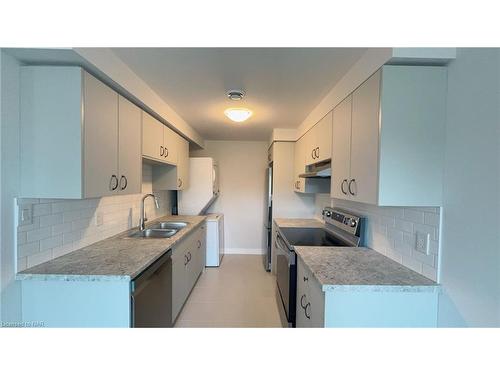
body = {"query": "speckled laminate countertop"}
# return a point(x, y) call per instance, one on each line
point(298, 223)
point(115, 258)
point(361, 269)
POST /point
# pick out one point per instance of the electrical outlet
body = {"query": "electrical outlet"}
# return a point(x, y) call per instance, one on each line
point(422, 242)
point(99, 220)
point(26, 216)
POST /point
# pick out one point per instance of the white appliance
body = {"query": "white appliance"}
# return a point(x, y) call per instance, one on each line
point(203, 187)
point(203, 190)
point(215, 240)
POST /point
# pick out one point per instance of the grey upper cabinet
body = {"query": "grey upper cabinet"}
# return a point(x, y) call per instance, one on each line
point(71, 136)
point(169, 153)
point(341, 144)
point(388, 138)
point(100, 117)
point(318, 141)
point(129, 147)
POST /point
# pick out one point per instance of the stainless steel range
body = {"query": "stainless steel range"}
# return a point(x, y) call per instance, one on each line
point(341, 228)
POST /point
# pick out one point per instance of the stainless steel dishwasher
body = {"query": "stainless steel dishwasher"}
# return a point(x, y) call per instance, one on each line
point(151, 295)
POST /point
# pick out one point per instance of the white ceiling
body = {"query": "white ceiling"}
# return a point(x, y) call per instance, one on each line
point(282, 85)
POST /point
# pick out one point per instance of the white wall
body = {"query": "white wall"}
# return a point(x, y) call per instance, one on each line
point(470, 268)
point(64, 225)
point(242, 167)
point(9, 108)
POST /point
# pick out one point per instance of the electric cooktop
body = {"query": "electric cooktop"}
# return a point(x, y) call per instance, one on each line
point(311, 237)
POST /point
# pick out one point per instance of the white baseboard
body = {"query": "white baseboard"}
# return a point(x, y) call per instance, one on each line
point(244, 251)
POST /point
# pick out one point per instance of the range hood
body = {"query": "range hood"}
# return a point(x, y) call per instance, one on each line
point(322, 169)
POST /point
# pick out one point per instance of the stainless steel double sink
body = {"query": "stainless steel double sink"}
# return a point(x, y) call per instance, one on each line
point(162, 229)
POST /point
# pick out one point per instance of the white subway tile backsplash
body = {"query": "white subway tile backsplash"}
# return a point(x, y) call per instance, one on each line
point(72, 237)
point(412, 264)
point(38, 234)
point(391, 231)
point(64, 225)
point(70, 216)
point(62, 250)
point(405, 226)
point(431, 218)
point(430, 272)
point(51, 242)
point(21, 238)
point(61, 228)
point(28, 249)
point(38, 258)
point(41, 209)
point(415, 216)
point(22, 263)
point(49, 220)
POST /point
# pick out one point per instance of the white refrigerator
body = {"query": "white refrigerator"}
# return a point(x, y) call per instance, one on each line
point(203, 190)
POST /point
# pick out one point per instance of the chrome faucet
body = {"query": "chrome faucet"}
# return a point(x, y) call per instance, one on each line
point(143, 219)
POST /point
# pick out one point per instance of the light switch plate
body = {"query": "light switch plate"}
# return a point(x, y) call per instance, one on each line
point(422, 242)
point(26, 215)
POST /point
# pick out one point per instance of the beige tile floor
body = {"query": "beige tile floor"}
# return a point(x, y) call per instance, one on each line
point(239, 293)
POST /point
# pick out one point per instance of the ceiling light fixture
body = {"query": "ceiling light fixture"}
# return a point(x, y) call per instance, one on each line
point(238, 114)
point(235, 94)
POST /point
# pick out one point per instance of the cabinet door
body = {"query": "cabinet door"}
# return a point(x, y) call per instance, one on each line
point(101, 138)
point(183, 164)
point(309, 150)
point(323, 138)
point(179, 284)
point(202, 248)
point(365, 141)
point(129, 147)
point(316, 309)
point(299, 162)
point(170, 142)
point(341, 149)
point(152, 138)
point(301, 320)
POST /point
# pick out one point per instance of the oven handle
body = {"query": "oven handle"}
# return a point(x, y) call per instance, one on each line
point(281, 246)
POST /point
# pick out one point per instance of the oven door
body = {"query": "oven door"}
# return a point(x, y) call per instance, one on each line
point(286, 278)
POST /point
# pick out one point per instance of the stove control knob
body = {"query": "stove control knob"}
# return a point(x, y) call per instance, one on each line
point(352, 223)
point(328, 214)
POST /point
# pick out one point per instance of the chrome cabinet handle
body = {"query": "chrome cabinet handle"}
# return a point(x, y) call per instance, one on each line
point(342, 186)
point(302, 304)
point(199, 244)
point(312, 153)
point(305, 310)
point(113, 186)
point(179, 182)
point(190, 256)
point(161, 151)
point(166, 152)
point(123, 179)
point(306, 278)
point(186, 260)
point(349, 186)
point(298, 185)
point(317, 152)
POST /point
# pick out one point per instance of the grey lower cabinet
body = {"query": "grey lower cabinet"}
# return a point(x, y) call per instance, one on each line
point(188, 261)
point(310, 312)
point(359, 306)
